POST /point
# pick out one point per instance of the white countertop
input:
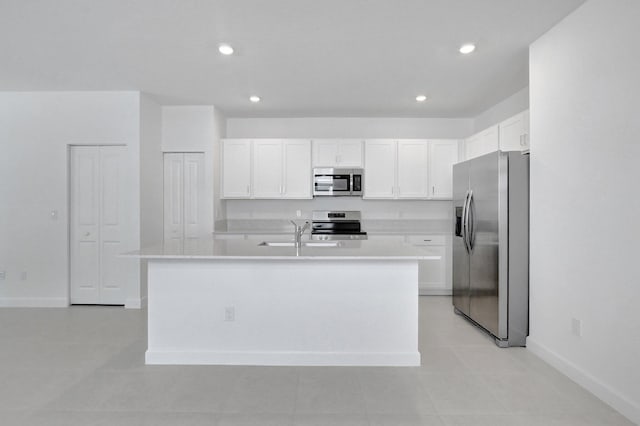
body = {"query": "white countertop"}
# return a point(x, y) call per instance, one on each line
point(249, 249)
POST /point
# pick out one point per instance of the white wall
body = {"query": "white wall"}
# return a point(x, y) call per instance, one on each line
point(509, 107)
point(219, 132)
point(358, 127)
point(371, 209)
point(151, 181)
point(585, 149)
point(37, 128)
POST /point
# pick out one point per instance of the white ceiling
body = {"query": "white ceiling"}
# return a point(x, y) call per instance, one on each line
point(303, 57)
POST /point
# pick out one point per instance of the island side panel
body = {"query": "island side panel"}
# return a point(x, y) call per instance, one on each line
point(301, 312)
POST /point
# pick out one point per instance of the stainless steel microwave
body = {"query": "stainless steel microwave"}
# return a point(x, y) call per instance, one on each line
point(332, 182)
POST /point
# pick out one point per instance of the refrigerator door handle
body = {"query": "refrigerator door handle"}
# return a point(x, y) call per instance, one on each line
point(471, 218)
point(464, 222)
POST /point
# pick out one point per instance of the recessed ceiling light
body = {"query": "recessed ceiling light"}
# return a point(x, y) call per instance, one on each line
point(225, 49)
point(421, 98)
point(254, 99)
point(465, 49)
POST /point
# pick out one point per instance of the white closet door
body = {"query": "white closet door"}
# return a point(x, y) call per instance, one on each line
point(112, 184)
point(97, 180)
point(173, 196)
point(85, 225)
point(193, 190)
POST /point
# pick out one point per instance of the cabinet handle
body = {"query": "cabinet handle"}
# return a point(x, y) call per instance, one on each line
point(433, 190)
point(247, 189)
point(427, 240)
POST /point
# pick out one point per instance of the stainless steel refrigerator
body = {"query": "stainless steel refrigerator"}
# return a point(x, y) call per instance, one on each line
point(491, 244)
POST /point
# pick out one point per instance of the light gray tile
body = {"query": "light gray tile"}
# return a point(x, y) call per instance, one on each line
point(255, 419)
point(399, 419)
point(263, 390)
point(306, 419)
point(460, 394)
point(329, 390)
point(394, 390)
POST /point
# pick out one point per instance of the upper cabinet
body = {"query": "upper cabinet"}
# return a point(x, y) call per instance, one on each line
point(236, 168)
point(510, 135)
point(409, 168)
point(277, 168)
point(443, 154)
point(482, 143)
point(514, 132)
point(337, 153)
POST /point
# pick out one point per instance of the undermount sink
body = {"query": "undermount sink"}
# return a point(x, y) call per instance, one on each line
point(304, 244)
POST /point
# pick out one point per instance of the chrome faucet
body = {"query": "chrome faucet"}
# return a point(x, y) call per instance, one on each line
point(299, 231)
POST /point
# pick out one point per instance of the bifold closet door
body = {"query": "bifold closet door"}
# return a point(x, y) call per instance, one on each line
point(97, 182)
point(183, 195)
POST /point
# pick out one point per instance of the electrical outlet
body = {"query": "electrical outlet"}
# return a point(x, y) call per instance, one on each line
point(230, 313)
point(298, 213)
point(576, 327)
point(3, 275)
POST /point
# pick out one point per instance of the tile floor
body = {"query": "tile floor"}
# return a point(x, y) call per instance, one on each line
point(85, 366)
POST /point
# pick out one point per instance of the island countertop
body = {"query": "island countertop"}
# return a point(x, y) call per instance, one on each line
point(250, 249)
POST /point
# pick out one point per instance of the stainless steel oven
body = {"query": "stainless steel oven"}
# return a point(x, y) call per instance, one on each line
point(331, 182)
point(336, 225)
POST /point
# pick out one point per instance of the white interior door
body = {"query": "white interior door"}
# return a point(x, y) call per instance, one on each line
point(173, 196)
point(193, 190)
point(97, 204)
point(184, 206)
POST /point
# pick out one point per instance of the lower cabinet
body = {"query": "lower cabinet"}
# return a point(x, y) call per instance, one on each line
point(434, 276)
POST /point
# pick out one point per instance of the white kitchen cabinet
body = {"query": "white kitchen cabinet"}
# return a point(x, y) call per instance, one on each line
point(514, 132)
point(296, 172)
point(236, 168)
point(266, 168)
point(281, 168)
point(396, 169)
point(434, 276)
point(380, 169)
point(482, 143)
point(443, 154)
point(337, 153)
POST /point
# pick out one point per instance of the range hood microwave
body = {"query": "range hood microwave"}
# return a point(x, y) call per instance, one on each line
point(333, 182)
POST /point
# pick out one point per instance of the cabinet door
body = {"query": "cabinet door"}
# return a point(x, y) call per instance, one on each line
point(236, 169)
point(513, 135)
point(443, 154)
point(267, 169)
point(325, 153)
point(380, 169)
point(350, 153)
point(432, 274)
point(413, 169)
point(490, 140)
point(482, 143)
point(297, 169)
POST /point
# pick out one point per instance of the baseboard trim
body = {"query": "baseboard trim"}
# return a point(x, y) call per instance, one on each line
point(34, 302)
point(135, 303)
point(610, 396)
point(396, 359)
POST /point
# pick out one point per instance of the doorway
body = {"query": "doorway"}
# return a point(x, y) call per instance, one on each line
point(97, 219)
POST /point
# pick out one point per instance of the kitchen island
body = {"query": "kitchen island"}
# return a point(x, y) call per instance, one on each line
point(242, 302)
